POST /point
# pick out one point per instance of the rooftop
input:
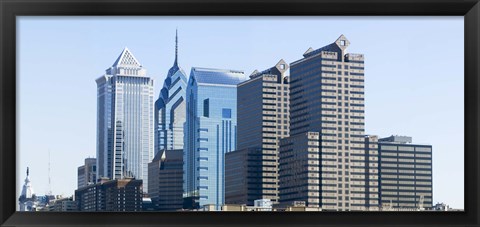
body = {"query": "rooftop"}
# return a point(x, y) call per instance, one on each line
point(217, 76)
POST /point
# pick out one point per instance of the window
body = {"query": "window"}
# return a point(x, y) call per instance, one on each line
point(342, 42)
point(282, 66)
point(206, 108)
point(227, 113)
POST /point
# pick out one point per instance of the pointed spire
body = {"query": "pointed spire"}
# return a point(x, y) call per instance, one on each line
point(176, 47)
point(27, 171)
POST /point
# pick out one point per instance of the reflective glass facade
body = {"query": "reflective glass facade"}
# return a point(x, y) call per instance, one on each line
point(210, 132)
point(125, 120)
point(170, 110)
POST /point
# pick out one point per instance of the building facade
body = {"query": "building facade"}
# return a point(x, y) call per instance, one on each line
point(327, 97)
point(299, 170)
point(111, 195)
point(87, 173)
point(125, 120)
point(211, 131)
point(27, 200)
point(263, 119)
point(372, 196)
point(61, 204)
point(165, 176)
point(405, 174)
point(170, 109)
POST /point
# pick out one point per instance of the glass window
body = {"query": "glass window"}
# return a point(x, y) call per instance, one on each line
point(206, 108)
point(227, 113)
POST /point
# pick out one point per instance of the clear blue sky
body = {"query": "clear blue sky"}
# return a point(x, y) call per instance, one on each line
point(413, 81)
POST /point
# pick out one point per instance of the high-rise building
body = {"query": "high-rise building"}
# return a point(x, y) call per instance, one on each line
point(210, 132)
point(371, 173)
point(165, 176)
point(125, 120)
point(111, 195)
point(263, 119)
point(405, 173)
point(87, 173)
point(170, 109)
point(299, 171)
point(327, 97)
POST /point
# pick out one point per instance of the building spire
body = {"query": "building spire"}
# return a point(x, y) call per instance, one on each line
point(176, 47)
point(27, 171)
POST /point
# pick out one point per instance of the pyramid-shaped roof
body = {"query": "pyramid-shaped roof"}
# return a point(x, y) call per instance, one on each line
point(126, 58)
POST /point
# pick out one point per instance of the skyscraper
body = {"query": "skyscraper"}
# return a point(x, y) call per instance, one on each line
point(211, 131)
point(170, 108)
point(327, 97)
point(263, 119)
point(87, 173)
point(125, 120)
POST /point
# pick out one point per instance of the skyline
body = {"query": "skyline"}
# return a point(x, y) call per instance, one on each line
point(267, 53)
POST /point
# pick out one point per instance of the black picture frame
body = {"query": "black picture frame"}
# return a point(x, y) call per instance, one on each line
point(9, 9)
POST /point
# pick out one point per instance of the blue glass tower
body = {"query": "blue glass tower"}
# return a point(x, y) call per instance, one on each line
point(170, 108)
point(210, 132)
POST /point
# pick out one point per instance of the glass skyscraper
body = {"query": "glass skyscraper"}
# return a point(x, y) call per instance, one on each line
point(125, 120)
point(170, 109)
point(210, 132)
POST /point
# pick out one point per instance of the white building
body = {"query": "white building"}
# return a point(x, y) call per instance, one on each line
point(27, 200)
point(125, 120)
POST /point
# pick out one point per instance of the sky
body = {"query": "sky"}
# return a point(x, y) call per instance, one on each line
point(414, 78)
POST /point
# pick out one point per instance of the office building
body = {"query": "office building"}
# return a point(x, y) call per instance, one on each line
point(61, 204)
point(299, 171)
point(125, 120)
point(405, 173)
point(251, 172)
point(371, 170)
point(327, 99)
point(111, 195)
point(165, 175)
point(170, 109)
point(210, 132)
point(87, 173)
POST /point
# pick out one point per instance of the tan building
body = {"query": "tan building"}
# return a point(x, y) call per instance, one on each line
point(327, 98)
point(251, 172)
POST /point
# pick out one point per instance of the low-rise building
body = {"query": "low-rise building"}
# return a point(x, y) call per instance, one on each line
point(165, 176)
point(111, 195)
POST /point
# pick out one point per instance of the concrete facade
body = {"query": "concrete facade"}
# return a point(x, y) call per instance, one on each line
point(263, 119)
point(405, 174)
point(327, 97)
point(111, 195)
